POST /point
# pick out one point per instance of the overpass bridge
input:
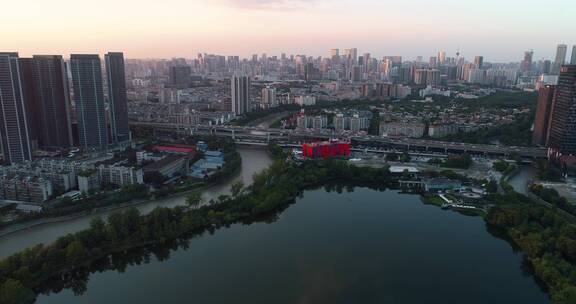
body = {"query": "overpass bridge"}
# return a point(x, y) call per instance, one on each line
point(259, 136)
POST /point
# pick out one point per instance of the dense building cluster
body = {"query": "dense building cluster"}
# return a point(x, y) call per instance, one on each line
point(37, 111)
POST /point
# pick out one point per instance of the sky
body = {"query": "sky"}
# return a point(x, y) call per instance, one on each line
point(500, 30)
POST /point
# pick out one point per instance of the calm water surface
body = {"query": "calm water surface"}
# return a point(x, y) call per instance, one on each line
point(363, 246)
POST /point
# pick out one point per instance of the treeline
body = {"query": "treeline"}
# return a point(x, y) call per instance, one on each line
point(553, 197)
point(24, 274)
point(67, 206)
point(517, 133)
point(455, 161)
point(547, 238)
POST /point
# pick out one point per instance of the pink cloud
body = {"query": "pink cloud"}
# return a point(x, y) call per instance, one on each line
point(273, 4)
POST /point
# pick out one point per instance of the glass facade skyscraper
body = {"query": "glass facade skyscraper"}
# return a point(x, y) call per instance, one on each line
point(14, 129)
point(117, 97)
point(89, 101)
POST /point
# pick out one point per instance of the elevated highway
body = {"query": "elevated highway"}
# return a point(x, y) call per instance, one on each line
point(257, 135)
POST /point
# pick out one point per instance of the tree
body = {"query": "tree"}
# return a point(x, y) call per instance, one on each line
point(565, 296)
point(374, 128)
point(154, 177)
point(392, 156)
point(75, 252)
point(405, 157)
point(492, 186)
point(237, 188)
point(194, 199)
point(500, 166)
point(13, 292)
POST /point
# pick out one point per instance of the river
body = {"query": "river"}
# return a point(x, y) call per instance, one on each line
point(362, 246)
point(253, 160)
point(524, 175)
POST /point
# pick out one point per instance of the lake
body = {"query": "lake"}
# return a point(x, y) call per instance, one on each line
point(363, 246)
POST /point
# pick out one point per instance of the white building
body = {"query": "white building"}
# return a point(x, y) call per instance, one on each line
point(305, 100)
point(406, 129)
point(269, 98)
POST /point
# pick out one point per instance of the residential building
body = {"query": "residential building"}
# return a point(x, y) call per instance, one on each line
point(49, 97)
point(180, 76)
point(542, 120)
point(268, 98)
point(402, 129)
point(89, 101)
point(117, 99)
point(14, 120)
point(562, 130)
point(240, 87)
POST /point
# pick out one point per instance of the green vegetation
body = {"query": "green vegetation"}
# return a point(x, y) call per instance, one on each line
point(404, 157)
point(517, 133)
point(547, 239)
point(504, 167)
point(455, 161)
point(551, 196)
point(273, 189)
point(549, 171)
point(252, 116)
point(133, 193)
point(432, 199)
point(374, 128)
point(504, 99)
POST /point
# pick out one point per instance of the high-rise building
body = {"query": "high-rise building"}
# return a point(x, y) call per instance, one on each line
point(479, 61)
point(526, 64)
point(47, 92)
point(240, 87)
point(180, 76)
point(442, 57)
point(560, 58)
point(334, 54)
point(542, 120)
point(89, 101)
point(268, 98)
point(367, 61)
point(573, 60)
point(14, 133)
point(562, 130)
point(117, 99)
point(433, 77)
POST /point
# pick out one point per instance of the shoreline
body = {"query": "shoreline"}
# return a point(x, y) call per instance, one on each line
point(53, 220)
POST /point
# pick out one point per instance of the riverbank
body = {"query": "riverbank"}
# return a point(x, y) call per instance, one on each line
point(254, 159)
point(231, 168)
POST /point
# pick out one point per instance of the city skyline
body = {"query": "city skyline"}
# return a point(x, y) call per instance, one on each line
point(176, 28)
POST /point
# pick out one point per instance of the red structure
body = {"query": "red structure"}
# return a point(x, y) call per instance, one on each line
point(175, 149)
point(325, 150)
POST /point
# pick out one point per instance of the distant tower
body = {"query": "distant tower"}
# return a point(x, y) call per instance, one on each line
point(14, 133)
point(240, 93)
point(442, 57)
point(479, 61)
point(560, 59)
point(526, 65)
point(89, 100)
point(573, 60)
